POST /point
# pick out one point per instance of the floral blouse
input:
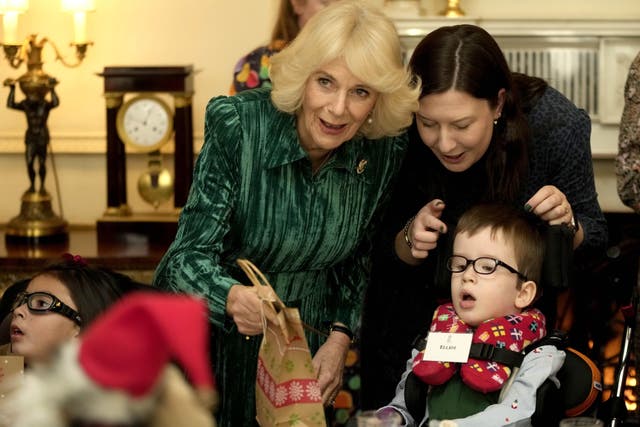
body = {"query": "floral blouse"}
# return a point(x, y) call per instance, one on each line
point(628, 158)
point(252, 70)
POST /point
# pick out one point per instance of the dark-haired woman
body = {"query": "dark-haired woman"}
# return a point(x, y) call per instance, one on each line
point(482, 133)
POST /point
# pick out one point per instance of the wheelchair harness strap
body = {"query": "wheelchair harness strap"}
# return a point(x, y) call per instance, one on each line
point(485, 351)
point(416, 391)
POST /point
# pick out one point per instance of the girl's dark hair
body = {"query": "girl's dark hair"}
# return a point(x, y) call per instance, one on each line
point(466, 58)
point(93, 289)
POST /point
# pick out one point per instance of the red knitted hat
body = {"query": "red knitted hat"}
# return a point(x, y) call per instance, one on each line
point(129, 346)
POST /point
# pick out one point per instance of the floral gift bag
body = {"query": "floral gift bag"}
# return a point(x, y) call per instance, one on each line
point(287, 391)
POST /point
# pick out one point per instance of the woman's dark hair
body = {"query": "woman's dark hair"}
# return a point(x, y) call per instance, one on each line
point(93, 289)
point(6, 306)
point(286, 27)
point(9, 296)
point(529, 89)
point(467, 59)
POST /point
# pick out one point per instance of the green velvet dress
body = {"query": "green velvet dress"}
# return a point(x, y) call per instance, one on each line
point(254, 196)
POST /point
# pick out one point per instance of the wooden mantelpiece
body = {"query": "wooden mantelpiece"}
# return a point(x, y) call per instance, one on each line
point(132, 255)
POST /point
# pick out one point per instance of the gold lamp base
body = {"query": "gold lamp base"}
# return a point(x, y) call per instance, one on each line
point(453, 9)
point(36, 222)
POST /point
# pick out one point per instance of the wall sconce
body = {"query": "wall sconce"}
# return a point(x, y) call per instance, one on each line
point(37, 221)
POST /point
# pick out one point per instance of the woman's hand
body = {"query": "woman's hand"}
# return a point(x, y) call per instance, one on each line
point(422, 233)
point(551, 205)
point(245, 307)
point(329, 364)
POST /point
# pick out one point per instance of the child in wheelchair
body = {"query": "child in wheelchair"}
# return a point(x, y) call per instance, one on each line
point(472, 368)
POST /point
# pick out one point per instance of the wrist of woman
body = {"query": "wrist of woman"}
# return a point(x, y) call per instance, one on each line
point(232, 296)
point(342, 329)
point(574, 225)
point(403, 252)
point(405, 232)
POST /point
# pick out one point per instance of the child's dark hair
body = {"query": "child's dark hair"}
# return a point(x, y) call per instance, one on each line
point(523, 230)
point(93, 289)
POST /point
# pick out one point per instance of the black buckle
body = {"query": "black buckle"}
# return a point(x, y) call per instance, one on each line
point(419, 342)
point(482, 351)
point(487, 351)
point(490, 352)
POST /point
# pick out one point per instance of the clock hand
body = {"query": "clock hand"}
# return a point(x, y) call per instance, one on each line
point(146, 118)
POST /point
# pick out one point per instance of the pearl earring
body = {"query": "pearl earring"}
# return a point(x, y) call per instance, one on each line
point(495, 122)
point(369, 120)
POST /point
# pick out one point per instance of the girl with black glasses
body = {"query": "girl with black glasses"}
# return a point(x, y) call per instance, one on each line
point(59, 302)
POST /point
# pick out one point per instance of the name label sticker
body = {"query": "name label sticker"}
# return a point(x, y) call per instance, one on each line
point(448, 347)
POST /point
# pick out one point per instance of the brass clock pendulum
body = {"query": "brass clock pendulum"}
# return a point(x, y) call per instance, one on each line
point(155, 185)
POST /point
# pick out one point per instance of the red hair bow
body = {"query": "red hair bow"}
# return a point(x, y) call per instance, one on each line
point(74, 258)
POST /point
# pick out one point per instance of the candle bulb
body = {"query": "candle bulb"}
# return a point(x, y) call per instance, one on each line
point(10, 27)
point(80, 27)
point(79, 9)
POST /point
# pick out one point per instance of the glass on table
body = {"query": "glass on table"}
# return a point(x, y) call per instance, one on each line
point(581, 422)
point(384, 418)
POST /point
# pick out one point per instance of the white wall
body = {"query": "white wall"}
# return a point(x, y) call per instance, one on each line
point(211, 35)
point(562, 9)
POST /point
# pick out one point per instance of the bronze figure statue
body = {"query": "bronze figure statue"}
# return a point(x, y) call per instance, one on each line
point(36, 108)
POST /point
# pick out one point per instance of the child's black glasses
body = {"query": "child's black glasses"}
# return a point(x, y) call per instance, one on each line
point(39, 302)
point(481, 265)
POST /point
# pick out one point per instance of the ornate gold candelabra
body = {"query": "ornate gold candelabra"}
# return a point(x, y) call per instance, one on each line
point(36, 221)
point(453, 9)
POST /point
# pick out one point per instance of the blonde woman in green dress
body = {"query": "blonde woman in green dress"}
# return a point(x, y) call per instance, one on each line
point(294, 178)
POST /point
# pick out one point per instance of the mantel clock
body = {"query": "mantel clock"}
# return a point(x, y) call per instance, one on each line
point(145, 123)
point(141, 120)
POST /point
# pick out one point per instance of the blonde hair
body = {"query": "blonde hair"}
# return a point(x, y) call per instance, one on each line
point(368, 42)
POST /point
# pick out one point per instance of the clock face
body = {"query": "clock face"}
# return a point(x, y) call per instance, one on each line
point(145, 123)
